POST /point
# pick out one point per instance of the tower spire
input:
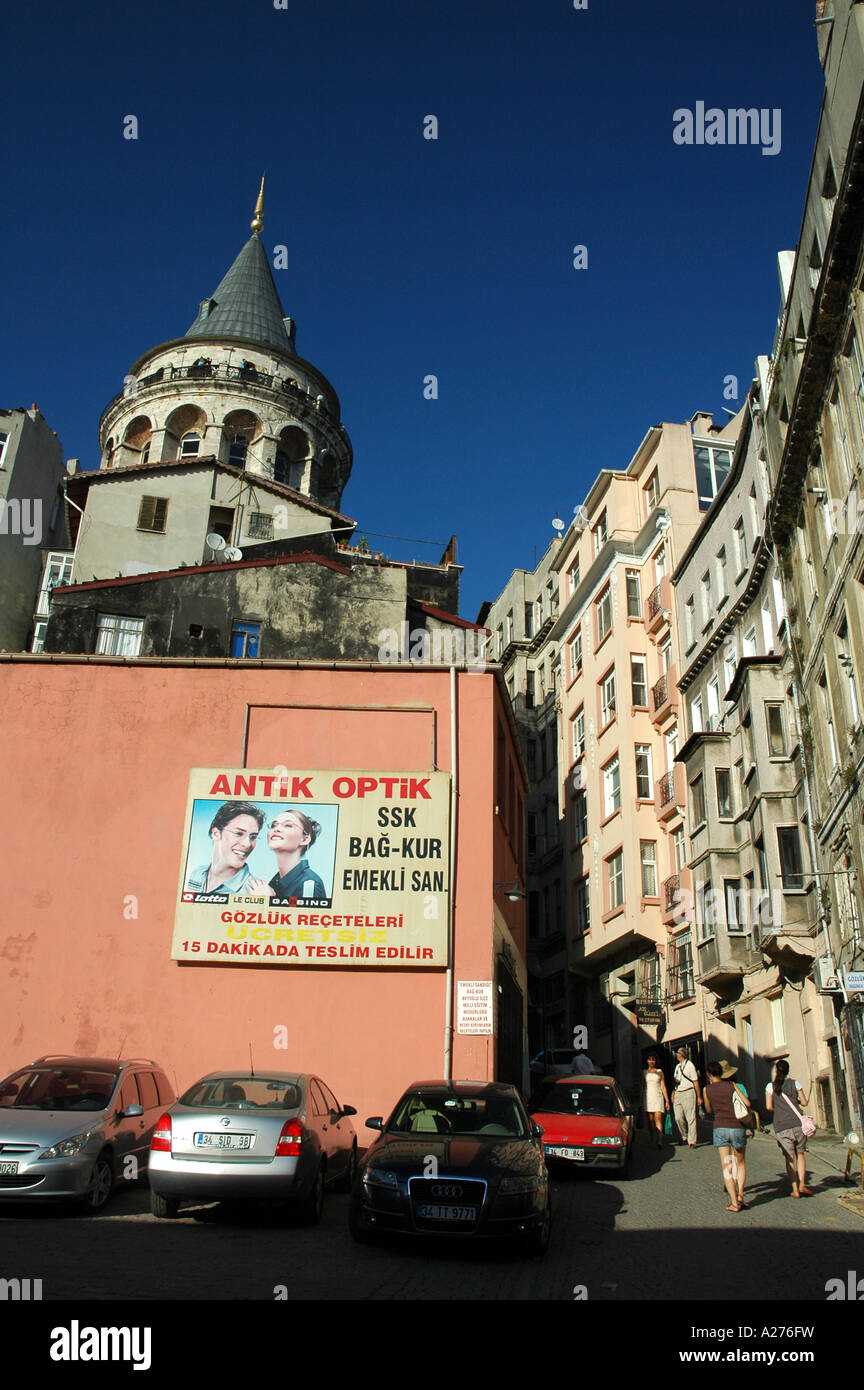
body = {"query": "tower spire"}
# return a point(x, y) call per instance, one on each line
point(257, 220)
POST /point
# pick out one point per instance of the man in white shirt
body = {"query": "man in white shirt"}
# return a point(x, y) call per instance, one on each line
point(685, 1096)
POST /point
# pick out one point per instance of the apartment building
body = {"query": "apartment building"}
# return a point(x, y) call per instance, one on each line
point(520, 621)
point(814, 428)
point(622, 792)
point(751, 885)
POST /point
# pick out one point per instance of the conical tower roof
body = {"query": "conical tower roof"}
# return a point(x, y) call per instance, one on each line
point(245, 303)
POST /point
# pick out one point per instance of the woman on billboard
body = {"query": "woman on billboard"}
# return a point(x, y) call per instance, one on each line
point(289, 835)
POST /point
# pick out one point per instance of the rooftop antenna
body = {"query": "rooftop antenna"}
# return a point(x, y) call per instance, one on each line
point(251, 1067)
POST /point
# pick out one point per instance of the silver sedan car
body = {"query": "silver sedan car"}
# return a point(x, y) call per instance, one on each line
point(280, 1136)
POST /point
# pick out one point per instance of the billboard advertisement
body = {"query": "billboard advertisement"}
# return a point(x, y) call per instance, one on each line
point(344, 868)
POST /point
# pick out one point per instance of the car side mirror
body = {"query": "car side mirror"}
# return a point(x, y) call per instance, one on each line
point(132, 1112)
point(537, 1131)
point(348, 1110)
point(376, 1122)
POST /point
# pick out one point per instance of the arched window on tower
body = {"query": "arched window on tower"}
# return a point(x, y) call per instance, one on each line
point(238, 448)
point(189, 445)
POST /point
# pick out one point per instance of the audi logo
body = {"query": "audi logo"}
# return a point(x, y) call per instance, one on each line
point(446, 1189)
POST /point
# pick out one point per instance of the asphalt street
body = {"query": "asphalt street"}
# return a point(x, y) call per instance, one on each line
point(662, 1234)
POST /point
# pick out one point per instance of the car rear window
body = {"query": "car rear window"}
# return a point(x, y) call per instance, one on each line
point(439, 1112)
point(58, 1088)
point(570, 1098)
point(243, 1093)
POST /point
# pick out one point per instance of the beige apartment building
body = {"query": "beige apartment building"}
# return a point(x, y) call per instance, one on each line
point(520, 621)
point(623, 799)
point(750, 861)
point(814, 428)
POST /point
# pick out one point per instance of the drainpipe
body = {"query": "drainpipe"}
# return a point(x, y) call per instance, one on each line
point(454, 791)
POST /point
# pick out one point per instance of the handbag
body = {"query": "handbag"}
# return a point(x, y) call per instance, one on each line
point(742, 1111)
point(667, 1123)
point(808, 1124)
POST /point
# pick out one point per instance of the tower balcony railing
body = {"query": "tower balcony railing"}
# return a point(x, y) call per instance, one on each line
point(658, 607)
point(228, 371)
point(664, 696)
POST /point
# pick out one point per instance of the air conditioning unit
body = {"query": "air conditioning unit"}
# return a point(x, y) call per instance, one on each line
point(826, 982)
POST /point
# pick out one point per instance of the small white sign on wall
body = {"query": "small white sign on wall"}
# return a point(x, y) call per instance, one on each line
point(474, 1012)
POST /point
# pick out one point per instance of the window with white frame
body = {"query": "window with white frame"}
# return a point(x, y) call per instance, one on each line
point(712, 469)
point(643, 771)
point(578, 727)
point(776, 725)
point(841, 432)
point(651, 493)
point(791, 862)
point(639, 681)
point(575, 650)
point(707, 599)
point(749, 643)
point(601, 532)
point(778, 1022)
point(607, 698)
point(648, 861)
point(4, 441)
point(735, 919)
point(755, 519)
point(615, 872)
point(604, 613)
point(722, 575)
point(634, 595)
point(779, 603)
point(740, 541)
point(117, 635)
point(705, 910)
point(573, 577)
point(58, 570)
point(679, 842)
point(712, 691)
point(580, 817)
point(828, 721)
point(767, 625)
point(581, 907)
point(697, 718)
point(855, 363)
point(723, 783)
point(846, 662)
point(730, 664)
point(612, 787)
point(681, 983)
point(660, 564)
point(697, 801)
point(189, 445)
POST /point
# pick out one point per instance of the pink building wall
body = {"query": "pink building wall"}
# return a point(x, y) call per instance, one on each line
point(97, 755)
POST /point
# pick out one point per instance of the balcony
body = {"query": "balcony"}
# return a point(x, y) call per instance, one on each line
point(659, 607)
point(669, 793)
point(677, 899)
point(719, 966)
point(664, 697)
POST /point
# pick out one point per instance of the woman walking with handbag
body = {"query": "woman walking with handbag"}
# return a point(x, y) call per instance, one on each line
point(655, 1100)
point(790, 1126)
point(730, 1134)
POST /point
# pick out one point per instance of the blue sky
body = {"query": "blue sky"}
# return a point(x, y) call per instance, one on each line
point(407, 256)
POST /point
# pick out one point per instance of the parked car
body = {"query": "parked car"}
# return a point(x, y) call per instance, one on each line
point(70, 1125)
point(555, 1061)
point(455, 1159)
point(586, 1121)
point(280, 1136)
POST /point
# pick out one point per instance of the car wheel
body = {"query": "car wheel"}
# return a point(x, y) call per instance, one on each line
point(310, 1209)
point(99, 1185)
point(358, 1230)
point(165, 1207)
point(346, 1182)
point(537, 1241)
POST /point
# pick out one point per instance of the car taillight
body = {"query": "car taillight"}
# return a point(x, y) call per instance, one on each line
point(290, 1140)
point(161, 1140)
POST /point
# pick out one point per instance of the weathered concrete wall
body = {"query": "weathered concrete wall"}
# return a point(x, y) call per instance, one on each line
point(29, 489)
point(307, 610)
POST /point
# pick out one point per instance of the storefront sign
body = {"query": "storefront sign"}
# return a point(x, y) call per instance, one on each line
point(649, 1014)
point(474, 1013)
point(314, 868)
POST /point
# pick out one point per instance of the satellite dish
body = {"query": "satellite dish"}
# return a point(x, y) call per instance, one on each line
point(232, 552)
point(558, 524)
point(215, 542)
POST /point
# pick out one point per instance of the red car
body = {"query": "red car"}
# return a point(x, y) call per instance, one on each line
point(586, 1121)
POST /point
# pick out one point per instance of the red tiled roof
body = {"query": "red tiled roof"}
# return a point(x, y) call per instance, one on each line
point(306, 557)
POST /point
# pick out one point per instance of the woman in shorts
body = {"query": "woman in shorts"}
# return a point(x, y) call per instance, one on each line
point(730, 1138)
point(787, 1126)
